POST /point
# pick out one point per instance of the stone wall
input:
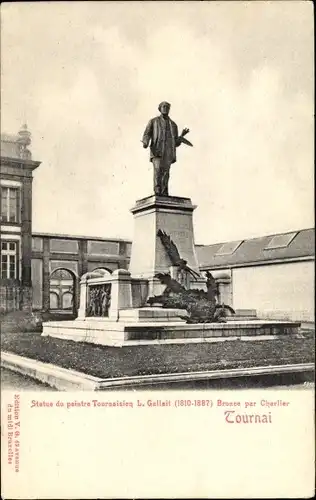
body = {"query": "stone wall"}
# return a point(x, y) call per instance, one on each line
point(278, 291)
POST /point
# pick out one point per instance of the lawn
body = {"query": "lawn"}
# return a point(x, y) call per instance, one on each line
point(111, 362)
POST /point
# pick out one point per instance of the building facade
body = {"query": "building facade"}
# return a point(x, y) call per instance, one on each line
point(272, 274)
point(58, 262)
point(42, 271)
point(17, 169)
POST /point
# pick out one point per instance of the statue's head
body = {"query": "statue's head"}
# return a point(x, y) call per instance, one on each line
point(164, 108)
point(163, 277)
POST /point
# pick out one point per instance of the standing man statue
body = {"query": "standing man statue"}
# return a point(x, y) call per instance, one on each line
point(162, 134)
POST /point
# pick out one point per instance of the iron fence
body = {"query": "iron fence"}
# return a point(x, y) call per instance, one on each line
point(12, 298)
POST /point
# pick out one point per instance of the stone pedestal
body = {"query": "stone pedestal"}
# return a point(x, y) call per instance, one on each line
point(121, 292)
point(83, 297)
point(224, 283)
point(146, 326)
point(224, 289)
point(174, 216)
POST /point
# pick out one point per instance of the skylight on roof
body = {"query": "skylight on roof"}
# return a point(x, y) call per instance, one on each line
point(228, 248)
point(280, 241)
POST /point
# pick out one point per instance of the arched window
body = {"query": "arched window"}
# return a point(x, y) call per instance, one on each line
point(53, 300)
point(63, 283)
point(67, 299)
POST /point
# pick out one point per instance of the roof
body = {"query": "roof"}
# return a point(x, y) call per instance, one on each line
point(9, 146)
point(9, 137)
point(77, 237)
point(267, 249)
point(15, 146)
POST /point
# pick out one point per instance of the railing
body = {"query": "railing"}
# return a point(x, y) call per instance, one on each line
point(12, 297)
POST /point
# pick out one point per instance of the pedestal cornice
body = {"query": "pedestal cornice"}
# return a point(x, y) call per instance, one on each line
point(164, 202)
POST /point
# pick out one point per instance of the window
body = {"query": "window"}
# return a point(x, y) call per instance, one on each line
point(8, 260)
point(67, 299)
point(53, 300)
point(9, 204)
point(228, 248)
point(280, 241)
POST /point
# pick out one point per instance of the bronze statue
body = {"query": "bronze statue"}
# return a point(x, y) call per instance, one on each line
point(92, 307)
point(172, 285)
point(212, 286)
point(201, 306)
point(99, 300)
point(162, 134)
point(105, 300)
point(176, 260)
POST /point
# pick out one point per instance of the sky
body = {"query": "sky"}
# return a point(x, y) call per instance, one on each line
point(87, 77)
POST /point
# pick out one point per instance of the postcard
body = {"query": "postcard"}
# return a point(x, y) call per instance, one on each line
point(157, 250)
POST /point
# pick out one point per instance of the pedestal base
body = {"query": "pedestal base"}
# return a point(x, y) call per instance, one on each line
point(134, 332)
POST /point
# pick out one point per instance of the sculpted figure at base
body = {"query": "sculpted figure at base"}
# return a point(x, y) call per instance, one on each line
point(202, 307)
point(99, 300)
point(162, 135)
point(182, 270)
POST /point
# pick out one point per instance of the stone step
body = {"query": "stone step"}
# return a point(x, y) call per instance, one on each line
point(152, 314)
point(249, 313)
point(116, 333)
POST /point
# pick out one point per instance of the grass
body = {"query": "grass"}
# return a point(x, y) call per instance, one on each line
point(111, 362)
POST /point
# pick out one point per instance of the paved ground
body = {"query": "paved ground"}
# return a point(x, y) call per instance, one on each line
point(262, 383)
point(16, 381)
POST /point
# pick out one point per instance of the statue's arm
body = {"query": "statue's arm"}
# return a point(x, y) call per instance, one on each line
point(147, 134)
point(178, 139)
